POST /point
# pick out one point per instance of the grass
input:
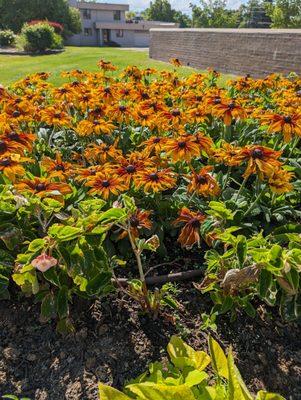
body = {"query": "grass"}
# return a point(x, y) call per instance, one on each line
point(14, 67)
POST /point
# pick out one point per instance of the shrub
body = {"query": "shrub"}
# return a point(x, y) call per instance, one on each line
point(7, 38)
point(40, 37)
point(185, 377)
point(59, 28)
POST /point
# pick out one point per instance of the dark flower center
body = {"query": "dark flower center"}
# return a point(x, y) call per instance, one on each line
point(154, 177)
point(57, 115)
point(130, 169)
point(257, 153)
point(157, 140)
point(3, 146)
point(59, 167)
point(182, 145)
point(201, 179)
point(105, 183)
point(40, 187)
point(134, 222)
point(92, 172)
point(287, 119)
point(176, 113)
point(95, 122)
point(231, 105)
point(217, 100)
point(5, 162)
point(13, 136)
point(122, 108)
point(145, 96)
point(107, 90)
point(199, 98)
point(195, 223)
point(16, 114)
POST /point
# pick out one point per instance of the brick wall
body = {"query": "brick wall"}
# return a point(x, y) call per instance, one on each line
point(238, 51)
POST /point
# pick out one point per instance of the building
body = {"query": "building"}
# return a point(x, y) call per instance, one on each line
point(105, 24)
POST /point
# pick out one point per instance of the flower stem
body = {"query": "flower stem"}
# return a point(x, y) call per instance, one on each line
point(254, 202)
point(241, 188)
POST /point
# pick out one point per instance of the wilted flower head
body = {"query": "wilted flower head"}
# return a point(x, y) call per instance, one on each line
point(44, 262)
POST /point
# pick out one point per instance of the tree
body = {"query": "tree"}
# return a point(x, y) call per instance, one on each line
point(214, 14)
point(285, 13)
point(183, 19)
point(159, 10)
point(14, 13)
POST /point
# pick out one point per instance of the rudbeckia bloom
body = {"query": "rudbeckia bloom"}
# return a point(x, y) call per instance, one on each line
point(137, 221)
point(261, 160)
point(203, 183)
point(228, 111)
point(153, 180)
point(95, 127)
point(11, 166)
point(183, 148)
point(43, 187)
point(54, 116)
point(288, 125)
point(104, 185)
point(279, 181)
point(190, 233)
point(57, 167)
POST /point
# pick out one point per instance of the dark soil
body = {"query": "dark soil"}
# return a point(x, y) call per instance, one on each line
point(113, 344)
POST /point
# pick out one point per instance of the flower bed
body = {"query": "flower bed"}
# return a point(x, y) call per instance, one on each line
point(108, 174)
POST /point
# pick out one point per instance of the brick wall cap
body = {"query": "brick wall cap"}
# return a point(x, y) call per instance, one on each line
point(230, 30)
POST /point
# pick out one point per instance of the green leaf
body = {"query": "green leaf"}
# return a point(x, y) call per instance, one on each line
point(241, 249)
point(109, 393)
point(65, 326)
point(62, 302)
point(195, 377)
point(64, 233)
point(113, 215)
point(237, 388)
point(183, 355)
point(218, 358)
point(36, 245)
point(100, 284)
point(10, 235)
point(262, 395)
point(129, 203)
point(153, 391)
point(47, 307)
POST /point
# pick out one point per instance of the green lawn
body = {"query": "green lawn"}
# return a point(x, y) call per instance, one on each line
point(14, 67)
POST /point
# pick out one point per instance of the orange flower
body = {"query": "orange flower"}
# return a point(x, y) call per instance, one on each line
point(11, 166)
point(54, 116)
point(101, 153)
point(154, 144)
point(137, 221)
point(203, 183)
point(183, 148)
point(176, 62)
point(279, 181)
point(261, 160)
point(43, 187)
point(190, 233)
point(228, 111)
point(105, 185)
point(153, 180)
point(288, 125)
point(57, 167)
point(106, 65)
point(96, 127)
point(129, 167)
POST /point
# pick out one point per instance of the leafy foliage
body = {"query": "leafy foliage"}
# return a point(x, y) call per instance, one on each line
point(185, 377)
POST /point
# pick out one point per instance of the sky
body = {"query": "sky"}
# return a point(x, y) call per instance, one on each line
point(182, 5)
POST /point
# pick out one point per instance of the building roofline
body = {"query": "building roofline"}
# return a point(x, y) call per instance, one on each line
point(102, 6)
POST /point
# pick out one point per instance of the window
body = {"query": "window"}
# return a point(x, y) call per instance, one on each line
point(119, 33)
point(117, 15)
point(87, 13)
point(88, 31)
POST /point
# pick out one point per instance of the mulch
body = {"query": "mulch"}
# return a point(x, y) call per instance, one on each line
point(114, 343)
